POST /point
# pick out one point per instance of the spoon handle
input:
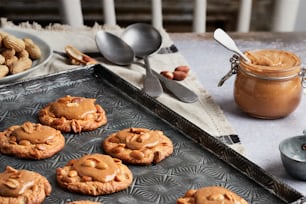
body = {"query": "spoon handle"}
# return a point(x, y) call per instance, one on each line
point(224, 39)
point(151, 84)
point(179, 91)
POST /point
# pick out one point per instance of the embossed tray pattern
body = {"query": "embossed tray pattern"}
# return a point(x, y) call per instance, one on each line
point(198, 159)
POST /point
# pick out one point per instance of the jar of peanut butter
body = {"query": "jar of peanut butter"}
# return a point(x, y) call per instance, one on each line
point(268, 87)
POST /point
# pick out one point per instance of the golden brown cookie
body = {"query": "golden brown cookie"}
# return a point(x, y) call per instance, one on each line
point(73, 114)
point(94, 174)
point(211, 195)
point(138, 146)
point(83, 202)
point(23, 186)
point(31, 141)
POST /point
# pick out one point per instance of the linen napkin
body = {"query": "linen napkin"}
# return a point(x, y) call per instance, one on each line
point(204, 113)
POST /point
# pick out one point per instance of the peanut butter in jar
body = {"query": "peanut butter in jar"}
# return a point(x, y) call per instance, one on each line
point(270, 86)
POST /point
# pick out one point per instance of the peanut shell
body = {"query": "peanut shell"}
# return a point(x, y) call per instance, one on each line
point(20, 65)
point(4, 70)
point(33, 50)
point(13, 42)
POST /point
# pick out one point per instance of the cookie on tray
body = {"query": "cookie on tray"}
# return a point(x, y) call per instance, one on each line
point(31, 141)
point(138, 146)
point(73, 114)
point(94, 174)
point(23, 186)
point(212, 195)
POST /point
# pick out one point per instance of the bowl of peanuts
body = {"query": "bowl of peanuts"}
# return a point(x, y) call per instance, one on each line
point(21, 53)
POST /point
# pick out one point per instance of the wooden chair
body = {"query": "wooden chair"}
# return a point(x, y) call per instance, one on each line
point(73, 16)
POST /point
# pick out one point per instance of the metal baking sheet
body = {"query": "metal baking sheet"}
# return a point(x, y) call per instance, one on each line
point(198, 159)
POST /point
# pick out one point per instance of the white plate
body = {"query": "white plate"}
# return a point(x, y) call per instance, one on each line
point(46, 52)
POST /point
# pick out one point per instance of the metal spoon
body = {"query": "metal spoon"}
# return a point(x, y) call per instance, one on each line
point(224, 39)
point(124, 55)
point(114, 49)
point(144, 39)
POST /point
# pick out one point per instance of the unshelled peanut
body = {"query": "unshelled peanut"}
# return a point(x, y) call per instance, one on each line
point(12, 42)
point(33, 50)
point(8, 53)
point(4, 70)
point(2, 59)
point(20, 65)
point(10, 61)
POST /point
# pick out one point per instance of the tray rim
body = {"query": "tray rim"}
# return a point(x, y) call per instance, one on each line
point(214, 142)
point(204, 139)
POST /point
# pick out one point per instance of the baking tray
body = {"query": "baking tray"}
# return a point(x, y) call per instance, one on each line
point(198, 159)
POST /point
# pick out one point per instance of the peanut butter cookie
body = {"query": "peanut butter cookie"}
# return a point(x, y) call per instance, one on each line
point(94, 174)
point(23, 186)
point(138, 146)
point(212, 195)
point(31, 141)
point(73, 114)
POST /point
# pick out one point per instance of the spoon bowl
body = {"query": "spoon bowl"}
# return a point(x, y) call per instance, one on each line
point(114, 49)
point(143, 38)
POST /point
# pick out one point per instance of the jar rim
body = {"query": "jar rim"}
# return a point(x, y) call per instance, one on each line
point(285, 71)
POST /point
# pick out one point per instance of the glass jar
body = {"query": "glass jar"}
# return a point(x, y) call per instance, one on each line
point(268, 87)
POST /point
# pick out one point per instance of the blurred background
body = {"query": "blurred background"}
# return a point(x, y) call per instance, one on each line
point(177, 14)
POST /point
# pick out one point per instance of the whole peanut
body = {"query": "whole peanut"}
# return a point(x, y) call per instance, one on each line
point(10, 61)
point(167, 74)
point(23, 54)
point(8, 53)
point(2, 59)
point(33, 50)
point(3, 34)
point(179, 75)
point(20, 65)
point(182, 68)
point(13, 42)
point(4, 70)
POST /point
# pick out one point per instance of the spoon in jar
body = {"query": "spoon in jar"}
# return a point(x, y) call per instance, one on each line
point(224, 39)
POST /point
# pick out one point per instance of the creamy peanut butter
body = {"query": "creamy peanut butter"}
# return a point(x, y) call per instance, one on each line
point(138, 138)
point(270, 86)
point(215, 195)
point(97, 166)
point(272, 58)
point(35, 133)
point(15, 182)
point(73, 107)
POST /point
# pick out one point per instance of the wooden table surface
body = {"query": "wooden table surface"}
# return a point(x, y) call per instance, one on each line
point(260, 137)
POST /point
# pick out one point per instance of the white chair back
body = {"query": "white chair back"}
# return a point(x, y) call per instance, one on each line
point(73, 14)
point(285, 14)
